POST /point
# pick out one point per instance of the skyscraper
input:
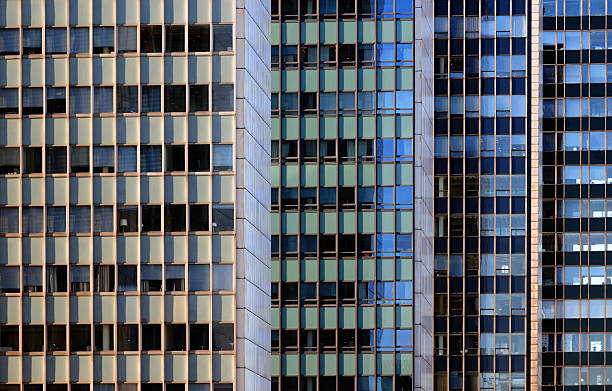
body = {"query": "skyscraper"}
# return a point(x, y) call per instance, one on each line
point(134, 195)
point(352, 181)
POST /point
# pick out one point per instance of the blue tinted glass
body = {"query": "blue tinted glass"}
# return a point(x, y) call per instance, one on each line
point(384, 195)
point(403, 195)
point(404, 337)
point(404, 147)
point(384, 337)
point(404, 243)
point(403, 290)
point(385, 6)
point(384, 290)
point(384, 52)
point(384, 242)
point(384, 147)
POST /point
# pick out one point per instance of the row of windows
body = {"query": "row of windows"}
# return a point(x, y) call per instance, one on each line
point(311, 244)
point(196, 157)
point(488, 7)
point(348, 150)
point(196, 38)
point(176, 98)
point(127, 337)
point(103, 278)
point(344, 383)
point(327, 8)
point(575, 7)
point(398, 101)
point(485, 26)
point(368, 292)
point(344, 54)
point(121, 387)
point(80, 219)
point(347, 340)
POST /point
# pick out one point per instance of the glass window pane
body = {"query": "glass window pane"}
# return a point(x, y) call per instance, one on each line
point(199, 278)
point(150, 158)
point(9, 41)
point(103, 100)
point(32, 41)
point(103, 40)
point(80, 100)
point(79, 40)
point(56, 219)
point(151, 99)
point(223, 39)
point(103, 219)
point(222, 157)
point(127, 99)
point(9, 220)
point(55, 40)
point(127, 39)
point(32, 219)
point(223, 97)
point(80, 219)
point(127, 159)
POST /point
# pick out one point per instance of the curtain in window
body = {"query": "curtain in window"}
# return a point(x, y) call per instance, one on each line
point(104, 38)
point(32, 97)
point(55, 40)
point(127, 159)
point(32, 279)
point(9, 220)
point(104, 157)
point(104, 278)
point(103, 100)
point(79, 278)
point(56, 219)
point(127, 39)
point(80, 219)
point(80, 100)
point(127, 99)
point(222, 157)
point(127, 278)
point(9, 41)
point(150, 158)
point(9, 99)
point(103, 219)
point(150, 276)
point(9, 280)
point(32, 38)
point(53, 282)
point(32, 219)
point(175, 278)
point(56, 160)
point(151, 99)
point(79, 158)
point(79, 40)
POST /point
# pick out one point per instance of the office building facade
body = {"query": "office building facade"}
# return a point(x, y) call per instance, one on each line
point(352, 181)
point(134, 217)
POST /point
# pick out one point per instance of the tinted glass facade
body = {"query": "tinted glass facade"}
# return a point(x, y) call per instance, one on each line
point(122, 187)
point(481, 189)
point(343, 195)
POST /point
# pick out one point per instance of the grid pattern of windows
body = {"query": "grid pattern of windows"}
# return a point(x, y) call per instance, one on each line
point(480, 195)
point(576, 177)
point(342, 195)
point(117, 193)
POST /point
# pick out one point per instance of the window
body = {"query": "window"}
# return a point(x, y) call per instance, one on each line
point(9, 100)
point(32, 41)
point(223, 218)
point(9, 220)
point(32, 100)
point(223, 336)
point(174, 217)
point(150, 158)
point(32, 160)
point(222, 157)
point(199, 278)
point(9, 160)
point(32, 279)
point(79, 278)
point(198, 217)
point(103, 40)
point(56, 219)
point(175, 38)
point(174, 98)
point(127, 337)
point(55, 40)
point(104, 278)
point(127, 275)
point(104, 160)
point(127, 158)
point(79, 40)
point(127, 39)
point(223, 277)
point(56, 338)
point(56, 100)
point(103, 219)
point(127, 99)
point(9, 338)
point(33, 338)
point(198, 97)
point(103, 100)
point(175, 158)
point(151, 99)
point(127, 218)
point(80, 100)
point(9, 279)
point(223, 39)
point(79, 159)
point(151, 218)
point(198, 337)
point(223, 97)
point(150, 39)
point(151, 337)
point(56, 160)
point(80, 219)
point(151, 278)
point(32, 217)
point(175, 278)
point(199, 157)
point(199, 38)
point(80, 338)
point(103, 337)
point(175, 336)
point(9, 41)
